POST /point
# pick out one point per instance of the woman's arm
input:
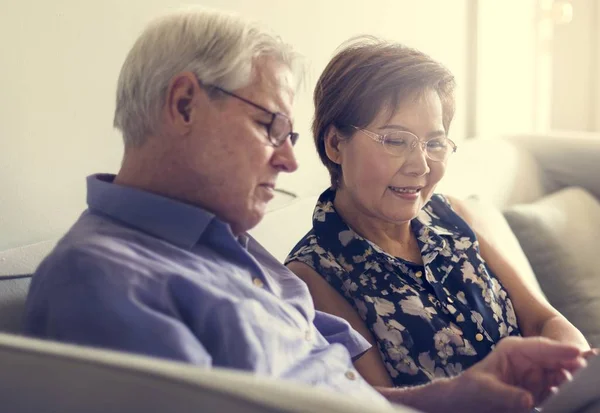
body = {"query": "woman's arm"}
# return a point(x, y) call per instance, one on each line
point(327, 299)
point(535, 315)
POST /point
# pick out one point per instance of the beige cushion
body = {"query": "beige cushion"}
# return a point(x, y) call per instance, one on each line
point(559, 234)
point(494, 169)
point(487, 218)
point(16, 267)
point(24, 260)
point(567, 158)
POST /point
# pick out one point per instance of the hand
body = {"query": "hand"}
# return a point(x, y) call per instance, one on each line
point(519, 374)
point(522, 372)
point(588, 354)
point(472, 391)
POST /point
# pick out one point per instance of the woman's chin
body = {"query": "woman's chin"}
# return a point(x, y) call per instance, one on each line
point(402, 216)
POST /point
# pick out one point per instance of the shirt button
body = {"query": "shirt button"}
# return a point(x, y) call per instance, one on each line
point(307, 335)
point(350, 375)
point(479, 337)
point(258, 282)
point(418, 274)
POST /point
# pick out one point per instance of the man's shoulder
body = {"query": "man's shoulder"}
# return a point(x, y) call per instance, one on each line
point(100, 246)
point(96, 244)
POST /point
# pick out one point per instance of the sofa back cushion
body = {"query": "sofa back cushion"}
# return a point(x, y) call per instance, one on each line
point(489, 219)
point(559, 234)
point(567, 158)
point(13, 292)
point(281, 229)
point(16, 267)
point(494, 169)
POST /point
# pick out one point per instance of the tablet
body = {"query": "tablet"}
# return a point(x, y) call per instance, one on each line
point(578, 395)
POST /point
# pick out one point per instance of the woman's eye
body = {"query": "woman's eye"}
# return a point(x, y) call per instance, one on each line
point(395, 142)
point(436, 144)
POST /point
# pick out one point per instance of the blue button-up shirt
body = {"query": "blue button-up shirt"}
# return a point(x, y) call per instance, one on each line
point(147, 274)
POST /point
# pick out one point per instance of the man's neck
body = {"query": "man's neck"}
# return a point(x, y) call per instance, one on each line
point(144, 168)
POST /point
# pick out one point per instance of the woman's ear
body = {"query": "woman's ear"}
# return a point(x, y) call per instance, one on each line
point(333, 141)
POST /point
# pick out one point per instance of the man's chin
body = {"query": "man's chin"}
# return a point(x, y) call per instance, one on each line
point(250, 221)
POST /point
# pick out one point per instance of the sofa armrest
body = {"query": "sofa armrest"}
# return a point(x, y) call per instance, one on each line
point(46, 376)
point(567, 158)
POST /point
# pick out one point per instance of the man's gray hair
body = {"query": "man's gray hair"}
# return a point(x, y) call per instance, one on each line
point(219, 48)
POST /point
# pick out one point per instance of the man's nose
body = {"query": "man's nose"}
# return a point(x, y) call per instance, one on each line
point(284, 158)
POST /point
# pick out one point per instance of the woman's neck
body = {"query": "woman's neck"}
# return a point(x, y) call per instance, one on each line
point(396, 239)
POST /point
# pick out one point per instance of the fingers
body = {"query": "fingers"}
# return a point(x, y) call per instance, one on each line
point(543, 352)
point(572, 365)
point(503, 397)
point(560, 377)
point(534, 364)
point(549, 392)
point(591, 353)
point(552, 384)
point(543, 347)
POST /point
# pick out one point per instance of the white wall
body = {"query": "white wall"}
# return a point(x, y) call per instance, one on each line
point(506, 67)
point(60, 63)
point(575, 70)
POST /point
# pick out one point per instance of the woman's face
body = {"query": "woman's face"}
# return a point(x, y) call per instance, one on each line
point(385, 187)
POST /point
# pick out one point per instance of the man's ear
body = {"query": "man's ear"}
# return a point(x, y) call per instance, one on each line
point(183, 95)
point(333, 141)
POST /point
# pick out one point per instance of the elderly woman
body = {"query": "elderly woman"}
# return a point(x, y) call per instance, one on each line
point(403, 265)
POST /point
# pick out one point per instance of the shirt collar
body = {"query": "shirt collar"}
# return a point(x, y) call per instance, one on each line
point(325, 212)
point(174, 221)
point(343, 241)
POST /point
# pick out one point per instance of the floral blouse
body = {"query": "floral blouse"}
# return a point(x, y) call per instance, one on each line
point(431, 320)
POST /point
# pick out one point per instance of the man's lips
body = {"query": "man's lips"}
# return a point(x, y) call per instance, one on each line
point(268, 185)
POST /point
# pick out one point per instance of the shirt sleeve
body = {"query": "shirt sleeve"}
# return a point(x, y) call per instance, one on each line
point(76, 297)
point(337, 330)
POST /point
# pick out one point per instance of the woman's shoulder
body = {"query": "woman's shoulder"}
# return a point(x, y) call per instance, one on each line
point(440, 206)
point(304, 246)
point(444, 211)
point(310, 252)
point(307, 250)
point(458, 207)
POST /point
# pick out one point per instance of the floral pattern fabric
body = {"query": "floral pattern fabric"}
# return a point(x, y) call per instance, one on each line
point(431, 320)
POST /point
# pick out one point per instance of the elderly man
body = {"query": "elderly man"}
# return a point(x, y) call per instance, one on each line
point(160, 263)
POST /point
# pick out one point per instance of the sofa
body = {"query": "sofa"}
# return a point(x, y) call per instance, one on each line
point(538, 194)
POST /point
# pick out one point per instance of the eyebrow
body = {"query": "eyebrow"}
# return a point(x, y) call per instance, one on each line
point(430, 135)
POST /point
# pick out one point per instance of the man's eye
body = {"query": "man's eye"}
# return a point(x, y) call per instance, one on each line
point(263, 124)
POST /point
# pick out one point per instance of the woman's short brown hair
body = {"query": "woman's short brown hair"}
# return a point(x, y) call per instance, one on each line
point(366, 75)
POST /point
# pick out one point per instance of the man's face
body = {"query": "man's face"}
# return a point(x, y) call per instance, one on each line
point(229, 164)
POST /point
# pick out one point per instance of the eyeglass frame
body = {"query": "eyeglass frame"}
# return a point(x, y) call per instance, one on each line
point(292, 135)
point(381, 139)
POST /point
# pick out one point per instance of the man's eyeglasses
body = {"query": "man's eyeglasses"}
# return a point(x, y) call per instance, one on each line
point(280, 126)
point(401, 143)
